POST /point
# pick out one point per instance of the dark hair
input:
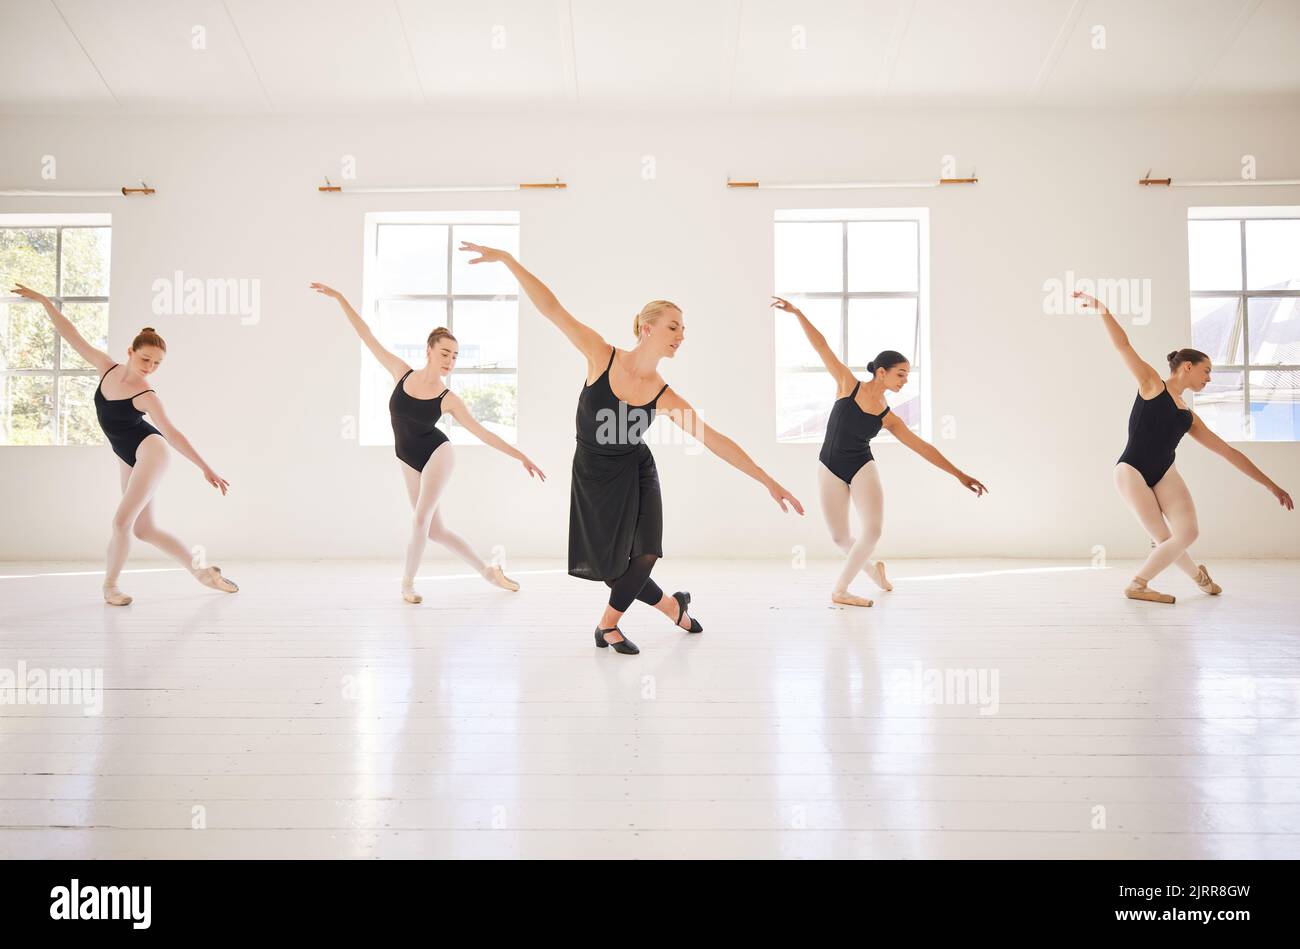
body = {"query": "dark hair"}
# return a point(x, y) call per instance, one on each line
point(1180, 356)
point(148, 337)
point(886, 359)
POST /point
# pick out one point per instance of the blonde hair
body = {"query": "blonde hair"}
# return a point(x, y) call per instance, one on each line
point(148, 337)
point(649, 313)
point(440, 333)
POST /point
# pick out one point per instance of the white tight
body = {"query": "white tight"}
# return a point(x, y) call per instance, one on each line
point(869, 499)
point(425, 489)
point(1169, 501)
point(134, 513)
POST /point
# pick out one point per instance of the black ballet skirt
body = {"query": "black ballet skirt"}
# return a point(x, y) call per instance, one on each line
point(615, 509)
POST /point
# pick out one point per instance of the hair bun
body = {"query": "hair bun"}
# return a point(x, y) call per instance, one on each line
point(871, 366)
point(148, 329)
point(1171, 356)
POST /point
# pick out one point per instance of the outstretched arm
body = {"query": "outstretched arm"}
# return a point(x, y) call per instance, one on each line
point(683, 416)
point(63, 326)
point(390, 361)
point(455, 406)
point(844, 378)
point(899, 430)
point(1149, 381)
point(588, 342)
point(1201, 432)
point(153, 407)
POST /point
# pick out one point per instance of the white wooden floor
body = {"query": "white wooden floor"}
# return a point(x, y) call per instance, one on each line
point(314, 714)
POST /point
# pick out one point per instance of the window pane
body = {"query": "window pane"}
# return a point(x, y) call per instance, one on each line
point(487, 332)
point(883, 255)
point(405, 325)
point(875, 325)
point(803, 402)
point(29, 410)
point(1215, 328)
point(483, 278)
point(792, 346)
point(77, 422)
point(1273, 255)
point(809, 258)
point(1220, 405)
point(1274, 330)
point(91, 321)
point(1214, 255)
point(27, 257)
point(412, 258)
point(26, 337)
point(491, 398)
point(85, 261)
point(1274, 406)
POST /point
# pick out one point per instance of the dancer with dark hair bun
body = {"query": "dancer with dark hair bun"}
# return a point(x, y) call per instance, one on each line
point(423, 449)
point(1145, 474)
point(121, 404)
point(848, 470)
point(615, 508)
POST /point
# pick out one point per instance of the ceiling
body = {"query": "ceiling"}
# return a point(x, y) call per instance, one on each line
point(286, 56)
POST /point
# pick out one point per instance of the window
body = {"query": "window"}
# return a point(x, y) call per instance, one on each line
point(47, 393)
point(1244, 275)
point(861, 277)
point(417, 280)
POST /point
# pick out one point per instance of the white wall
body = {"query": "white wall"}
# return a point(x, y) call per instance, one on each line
point(1040, 401)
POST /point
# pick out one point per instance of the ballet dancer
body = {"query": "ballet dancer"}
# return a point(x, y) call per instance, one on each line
point(140, 447)
point(615, 508)
point(423, 450)
point(1145, 474)
point(847, 470)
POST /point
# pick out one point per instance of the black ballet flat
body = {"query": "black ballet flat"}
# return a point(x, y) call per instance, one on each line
point(684, 600)
point(624, 645)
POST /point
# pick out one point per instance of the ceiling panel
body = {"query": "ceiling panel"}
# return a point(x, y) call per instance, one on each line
point(825, 51)
point(154, 55)
point(1264, 59)
point(42, 69)
point(323, 55)
point(1154, 50)
point(505, 51)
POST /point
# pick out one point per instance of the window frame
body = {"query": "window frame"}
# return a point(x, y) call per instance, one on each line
point(371, 299)
point(1241, 328)
point(58, 222)
point(919, 358)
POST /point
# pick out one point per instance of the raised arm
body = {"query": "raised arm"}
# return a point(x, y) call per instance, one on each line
point(1201, 432)
point(1149, 381)
point(455, 406)
point(153, 407)
point(898, 428)
point(588, 342)
point(682, 414)
point(390, 361)
point(844, 378)
point(63, 326)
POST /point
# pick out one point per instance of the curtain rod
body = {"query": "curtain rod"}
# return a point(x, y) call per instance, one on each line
point(124, 192)
point(331, 188)
point(831, 185)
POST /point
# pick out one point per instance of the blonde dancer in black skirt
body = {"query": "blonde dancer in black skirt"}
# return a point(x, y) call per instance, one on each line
point(615, 510)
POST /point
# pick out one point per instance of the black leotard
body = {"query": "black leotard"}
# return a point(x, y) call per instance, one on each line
point(615, 509)
point(416, 435)
point(849, 430)
point(122, 422)
point(1155, 427)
